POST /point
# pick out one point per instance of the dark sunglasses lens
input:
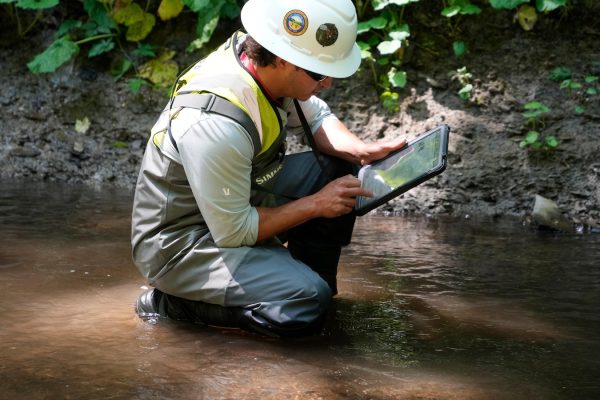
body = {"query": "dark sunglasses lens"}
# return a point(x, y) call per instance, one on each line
point(315, 76)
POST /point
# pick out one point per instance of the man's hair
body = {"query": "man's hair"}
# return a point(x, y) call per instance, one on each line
point(261, 56)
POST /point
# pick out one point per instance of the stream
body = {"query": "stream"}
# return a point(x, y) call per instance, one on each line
point(428, 308)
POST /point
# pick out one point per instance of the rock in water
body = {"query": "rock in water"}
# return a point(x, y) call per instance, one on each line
point(547, 214)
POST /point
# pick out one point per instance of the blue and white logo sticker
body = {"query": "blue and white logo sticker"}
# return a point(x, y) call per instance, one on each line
point(295, 22)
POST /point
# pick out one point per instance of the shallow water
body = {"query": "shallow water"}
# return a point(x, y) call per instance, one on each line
point(427, 309)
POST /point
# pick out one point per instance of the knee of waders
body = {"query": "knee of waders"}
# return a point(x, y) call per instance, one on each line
point(253, 322)
point(321, 259)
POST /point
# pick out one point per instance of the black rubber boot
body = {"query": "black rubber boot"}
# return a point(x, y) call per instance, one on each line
point(154, 303)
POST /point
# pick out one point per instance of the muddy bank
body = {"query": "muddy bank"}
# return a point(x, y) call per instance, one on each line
point(488, 174)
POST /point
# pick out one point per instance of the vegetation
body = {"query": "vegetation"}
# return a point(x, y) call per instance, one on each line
point(122, 28)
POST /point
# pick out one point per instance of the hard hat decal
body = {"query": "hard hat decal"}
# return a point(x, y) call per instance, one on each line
point(327, 34)
point(295, 22)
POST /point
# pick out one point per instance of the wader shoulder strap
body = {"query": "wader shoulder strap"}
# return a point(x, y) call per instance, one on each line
point(310, 138)
point(210, 102)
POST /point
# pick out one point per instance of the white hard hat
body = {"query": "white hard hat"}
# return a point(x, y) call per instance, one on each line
point(317, 35)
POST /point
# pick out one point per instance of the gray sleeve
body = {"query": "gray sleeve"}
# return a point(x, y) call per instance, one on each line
point(315, 110)
point(216, 154)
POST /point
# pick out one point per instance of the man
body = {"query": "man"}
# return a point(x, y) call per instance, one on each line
point(217, 201)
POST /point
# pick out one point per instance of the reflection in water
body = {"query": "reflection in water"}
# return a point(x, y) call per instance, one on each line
point(428, 309)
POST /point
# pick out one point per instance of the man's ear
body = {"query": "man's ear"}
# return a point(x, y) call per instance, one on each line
point(281, 63)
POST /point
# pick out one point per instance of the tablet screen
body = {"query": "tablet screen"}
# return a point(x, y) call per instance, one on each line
point(393, 175)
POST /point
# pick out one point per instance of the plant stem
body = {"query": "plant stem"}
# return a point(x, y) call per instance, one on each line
point(97, 37)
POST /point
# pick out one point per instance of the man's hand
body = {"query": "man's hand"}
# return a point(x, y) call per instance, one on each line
point(375, 151)
point(338, 197)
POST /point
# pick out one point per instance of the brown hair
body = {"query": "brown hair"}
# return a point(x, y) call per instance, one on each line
point(261, 56)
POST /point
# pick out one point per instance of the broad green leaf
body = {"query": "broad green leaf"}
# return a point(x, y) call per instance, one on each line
point(169, 9)
point(532, 137)
point(144, 50)
point(591, 91)
point(465, 91)
point(579, 109)
point(82, 125)
point(507, 4)
point(381, 4)
point(389, 46)
point(397, 78)
point(136, 84)
point(231, 10)
point(197, 5)
point(551, 141)
point(130, 14)
point(66, 26)
point(400, 34)
point(59, 52)
point(549, 5)
point(373, 23)
point(590, 79)
point(121, 68)
point(451, 11)
point(207, 22)
point(527, 17)
point(459, 48)
point(139, 30)
point(390, 101)
point(36, 4)
point(559, 74)
point(536, 105)
point(7, 1)
point(103, 46)
point(161, 71)
point(98, 14)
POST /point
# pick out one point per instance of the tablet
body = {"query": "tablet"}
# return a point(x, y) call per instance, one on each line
point(402, 170)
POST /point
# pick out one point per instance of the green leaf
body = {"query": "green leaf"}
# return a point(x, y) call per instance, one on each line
point(532, 137)
point(559, 74)
point(389, 46)
point(459, 48)
point(397, 78)
point(103, 46)
point(381, 4)
point(402, 33)
point(536, 105)
point(169, 9)
point(139, 30)
point(66, 27)
point(579, 109)
point(590, 79)
point(451, 11)
point(373, 23)
point(121, 68)
point(549, 5)
point(591, 91)
point(59, 52)
point(465, 91)
point(130, 14)
point(390, 101)
point(98, 14)
point(119, 144)
point(82, 125)
point(507, 4)
point(551, 141)
point(197, 5)
point(136, 84)
point(144, 50)
point(36, 4)
point(206, 25)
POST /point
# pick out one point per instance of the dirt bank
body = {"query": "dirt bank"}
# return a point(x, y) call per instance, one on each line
point(488, 174)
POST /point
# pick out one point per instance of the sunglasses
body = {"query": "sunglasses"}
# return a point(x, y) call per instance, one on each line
point(314, 76)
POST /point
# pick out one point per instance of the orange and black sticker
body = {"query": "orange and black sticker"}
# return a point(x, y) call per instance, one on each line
point(295, 22)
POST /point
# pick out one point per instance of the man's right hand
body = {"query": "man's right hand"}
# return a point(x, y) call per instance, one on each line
point(338, 197)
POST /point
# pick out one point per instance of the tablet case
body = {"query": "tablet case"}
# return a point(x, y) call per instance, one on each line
point(445, 130)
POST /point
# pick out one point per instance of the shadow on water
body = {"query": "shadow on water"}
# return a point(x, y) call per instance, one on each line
point(428, 309)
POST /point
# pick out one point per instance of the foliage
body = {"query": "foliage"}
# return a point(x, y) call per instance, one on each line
point(108, 26)
point(534, 113)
